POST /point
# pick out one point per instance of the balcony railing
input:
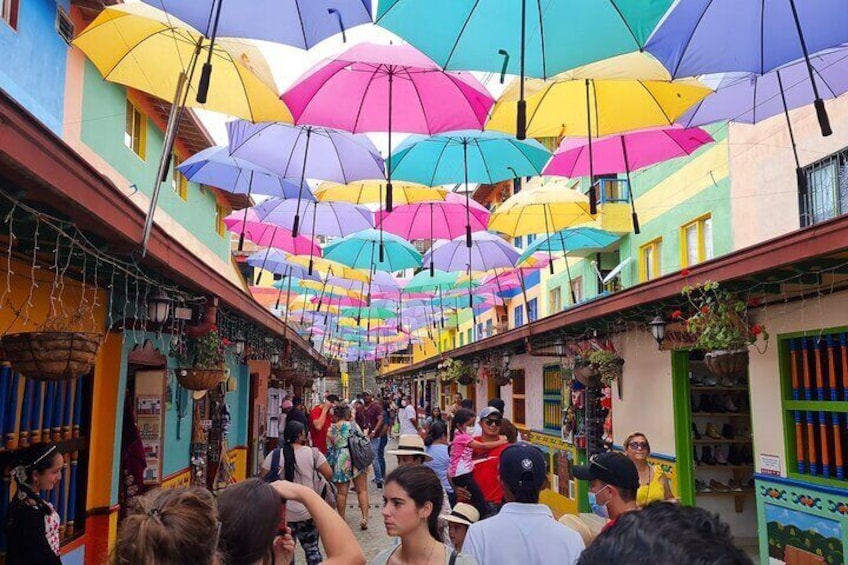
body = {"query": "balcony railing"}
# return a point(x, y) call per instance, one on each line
point(612, 190)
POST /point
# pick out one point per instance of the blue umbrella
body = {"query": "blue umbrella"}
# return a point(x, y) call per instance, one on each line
point(360, 251)
point(571, 240)
point(467, 156)
point(720, 36)
point(299, 23)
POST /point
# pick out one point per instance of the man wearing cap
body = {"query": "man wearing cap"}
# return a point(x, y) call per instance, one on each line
point(485, 471)
point(613, 482)
point(459, 520)
point(524, 531)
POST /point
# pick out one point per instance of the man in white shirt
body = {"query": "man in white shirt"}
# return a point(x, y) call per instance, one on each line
point(524, 531)
point(408, 418)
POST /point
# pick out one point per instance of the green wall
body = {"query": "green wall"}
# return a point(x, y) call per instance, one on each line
point(104, 119)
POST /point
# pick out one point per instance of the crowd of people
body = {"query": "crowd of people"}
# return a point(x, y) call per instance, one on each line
point(465, 491)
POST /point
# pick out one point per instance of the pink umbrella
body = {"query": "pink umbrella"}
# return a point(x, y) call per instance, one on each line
point(430, 220)
point(269, 235)
point(357, 91)
point(625, 153)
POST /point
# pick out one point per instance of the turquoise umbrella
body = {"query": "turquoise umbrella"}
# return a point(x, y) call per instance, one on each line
point(521, 37)
point(467, 156)
point(375, 249)
point(439, 280)
point(368, 313)
point(571, 240)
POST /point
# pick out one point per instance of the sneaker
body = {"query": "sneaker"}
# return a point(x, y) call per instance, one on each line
point(707, 456)
point(726, 382)
point(719, 487)
point(720, 457)
point(729, 405)
point(710, 380)
point(701, 486)
point(727, 431)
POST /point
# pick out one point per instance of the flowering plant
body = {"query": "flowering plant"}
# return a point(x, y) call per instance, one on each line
point(720, 319)
point(608, 363)
point(206, 351)
point(453, 370)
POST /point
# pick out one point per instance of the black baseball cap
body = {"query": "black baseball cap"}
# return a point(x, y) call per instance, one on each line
point(612, 468)
point(523, 465)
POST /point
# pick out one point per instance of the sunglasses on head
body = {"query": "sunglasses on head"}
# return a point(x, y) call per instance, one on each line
point(593, 460)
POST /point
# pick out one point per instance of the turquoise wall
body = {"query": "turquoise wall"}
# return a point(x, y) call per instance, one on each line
point(104, 120)
point(33, 61)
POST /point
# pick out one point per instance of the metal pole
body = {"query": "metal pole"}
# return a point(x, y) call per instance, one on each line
point(521, 114)
point(821, 112)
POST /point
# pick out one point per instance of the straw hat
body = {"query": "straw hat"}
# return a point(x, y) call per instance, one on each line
point(410, 444)
point(578, 525)
point(463, 513)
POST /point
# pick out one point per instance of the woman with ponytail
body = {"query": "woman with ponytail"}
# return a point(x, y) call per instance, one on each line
point(412, 500)
point(298, 463)
point(33, 524)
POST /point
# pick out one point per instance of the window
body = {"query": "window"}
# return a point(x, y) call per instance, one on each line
point(649, 260)
point(461, 339)
point(812, 390)
point(696, 241)
point(135, 131)
point(518, 242)
point(490, 327)
point(480, 330)
point(552, 398)
point(178, 181)
point(468, 336)
point(518, 316)
point(554, 300)
point(827, 189)
point(577, 289)
point(518, 398)
point(9, 12)
point(532, 310)
point(531, 237)
point(220, 213)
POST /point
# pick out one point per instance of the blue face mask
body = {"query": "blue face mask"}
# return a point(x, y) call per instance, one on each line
point(599, 509)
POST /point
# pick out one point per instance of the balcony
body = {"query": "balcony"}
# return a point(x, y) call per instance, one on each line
point(613, 206)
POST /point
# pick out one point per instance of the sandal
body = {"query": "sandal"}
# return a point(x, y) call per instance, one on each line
point(363, 524)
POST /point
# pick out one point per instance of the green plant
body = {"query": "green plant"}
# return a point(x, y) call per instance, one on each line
point(608, 364)
point(602, 357)
point(720, 319)
point(206, 351)
point(452, 370)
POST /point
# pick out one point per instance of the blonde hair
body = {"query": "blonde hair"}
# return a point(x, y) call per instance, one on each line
point(169, 527)
point(636, 434)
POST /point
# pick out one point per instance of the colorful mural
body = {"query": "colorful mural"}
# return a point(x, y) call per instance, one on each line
point(796, 538)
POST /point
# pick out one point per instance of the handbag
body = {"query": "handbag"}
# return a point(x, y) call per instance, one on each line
point(361, 451)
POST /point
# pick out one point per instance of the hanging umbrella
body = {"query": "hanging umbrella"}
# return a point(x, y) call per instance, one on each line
point(278, 263)
point(299, 23)
point(571, 240)
point(701, 36)
point(330, 268)
point(542, 208)
point(467, 156)
point(306, 153)
point(625, 153)
point(269, 235)
point(373, 192)
point(367, 313)
point(390, 88)
point(360, 251)
point(439, 280)
point(523, 38)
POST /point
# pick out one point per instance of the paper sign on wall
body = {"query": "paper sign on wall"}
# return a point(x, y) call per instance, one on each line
point(769, 464)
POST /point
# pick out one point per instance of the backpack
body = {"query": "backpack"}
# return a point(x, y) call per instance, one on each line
point(361, 451)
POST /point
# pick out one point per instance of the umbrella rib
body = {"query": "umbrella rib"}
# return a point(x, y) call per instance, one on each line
point(437, 162)
point(654, 98)
point(541, 39)
point(132, 48)
point(362, 101)
point(302, 27)
point(420, 103)
point(691, 37)
point(244, 90)
point(461, 31)
point(639, 45)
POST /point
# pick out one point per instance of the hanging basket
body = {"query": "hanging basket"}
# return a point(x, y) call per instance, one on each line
point(587, 374)
point(722, 363)
point(611, 371)
point(51, 356)
point(465, 379)
point(502, 378)
point(194, 378)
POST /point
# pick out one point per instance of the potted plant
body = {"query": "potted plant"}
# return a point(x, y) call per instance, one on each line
point(453, 370)
point(720, 324)
point(608, 364)
point(497, 369)
point(202, 359)
point(585, 372)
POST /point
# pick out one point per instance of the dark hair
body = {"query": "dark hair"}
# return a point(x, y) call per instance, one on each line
point(297, 400)
point(498, 404)
point(37, 457)
point(291, 434)
point(666, 534)
point(509, 430)
point(342, 411)
point(467, 403)
point(421, 485)
point(169, 527)
point(437, 429)
point(250, 516)
point(463, 416)
point(332, 398)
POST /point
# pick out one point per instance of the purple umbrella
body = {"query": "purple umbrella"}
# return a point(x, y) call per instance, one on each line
point(299, 23)
point(388, 88)
point(720, 36)
point(306, 152)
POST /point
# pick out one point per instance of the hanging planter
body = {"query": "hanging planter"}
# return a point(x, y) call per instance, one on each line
point(51, 355)
point(609, 365)
point(201, 379)
point(586, 373)
point(202, 358)
point(722, 363)
point(466, 379)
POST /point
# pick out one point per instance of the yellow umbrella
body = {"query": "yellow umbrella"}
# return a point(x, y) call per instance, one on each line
point(544, 206)
point(621, 94)
point(330, 289)
point(329, 266)
point(374, 192)
point(144, 48)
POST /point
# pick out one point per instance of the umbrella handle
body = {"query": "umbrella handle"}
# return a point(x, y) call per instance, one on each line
point(203, 85)
point(521, 125)
point(432, 269)
point(341, 23)
point(824, 120)
point(296, 225)
point(505, 54)
point(468, 236)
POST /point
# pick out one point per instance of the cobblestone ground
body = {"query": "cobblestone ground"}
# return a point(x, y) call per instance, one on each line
point(374, 539)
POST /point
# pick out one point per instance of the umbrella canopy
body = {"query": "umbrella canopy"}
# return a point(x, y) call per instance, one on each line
point(487, 36)
point(625, 152)
point(374, 192)
point(488, 251)
point(278, 263)
point(299, 23)
point(329, 267)
point(751, 98)
point(362, 250)
point(571, 240)
point(439, 280)
point(430, 220)
point(542, 208)
point(337, 219)
point(144, 48)
point(269, 235)
point(367, 313)
point(216, 167)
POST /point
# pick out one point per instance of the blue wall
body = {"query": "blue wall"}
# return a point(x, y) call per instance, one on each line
point(33, 59)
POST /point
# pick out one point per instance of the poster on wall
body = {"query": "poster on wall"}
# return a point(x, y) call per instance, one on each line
point(798, 537)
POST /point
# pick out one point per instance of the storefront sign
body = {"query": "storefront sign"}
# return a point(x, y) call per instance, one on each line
point(769, 464)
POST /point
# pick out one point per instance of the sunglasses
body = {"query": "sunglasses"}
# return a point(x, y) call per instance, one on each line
point(493, 421)
point(593, 460)
point(638, 445)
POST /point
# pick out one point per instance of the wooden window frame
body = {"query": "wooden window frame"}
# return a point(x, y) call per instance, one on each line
point(699, 224)
point(552, 383)
point(519, 398)
point(178, 180)
point(554, 306)
point(220, 213)
point(656, 260)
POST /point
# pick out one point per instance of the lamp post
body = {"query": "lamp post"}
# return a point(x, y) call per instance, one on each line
point(275, 358)
point(507, 357)
point(657, 327)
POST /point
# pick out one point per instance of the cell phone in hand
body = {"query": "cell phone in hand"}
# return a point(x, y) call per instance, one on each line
point(281, 529)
